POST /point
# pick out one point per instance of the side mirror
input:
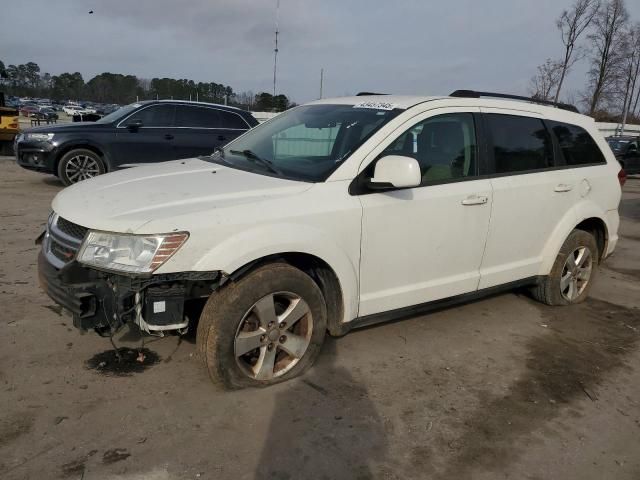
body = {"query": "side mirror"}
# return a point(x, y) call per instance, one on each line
point(396, 171)
point(134, 125)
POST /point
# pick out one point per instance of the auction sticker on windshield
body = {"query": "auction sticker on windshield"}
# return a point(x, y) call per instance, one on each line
point(376, 105)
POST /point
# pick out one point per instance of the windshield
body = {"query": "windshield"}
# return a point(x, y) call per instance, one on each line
point(119, 113)
point(306, 143)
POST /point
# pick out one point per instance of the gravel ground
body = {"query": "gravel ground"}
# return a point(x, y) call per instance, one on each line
point(498, 388)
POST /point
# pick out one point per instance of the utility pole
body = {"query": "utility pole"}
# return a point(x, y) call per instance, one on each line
point(321, 79)
point(275, 50)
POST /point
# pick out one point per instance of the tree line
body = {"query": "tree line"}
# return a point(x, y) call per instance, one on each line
point(600, 33)
point(27, 80)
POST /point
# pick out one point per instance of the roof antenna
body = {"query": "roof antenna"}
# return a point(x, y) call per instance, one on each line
point(275, 50)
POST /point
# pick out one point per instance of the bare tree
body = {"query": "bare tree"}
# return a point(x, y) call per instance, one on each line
point(606, 40)
point(546, 80)
point(572, 24)
point(630, 68)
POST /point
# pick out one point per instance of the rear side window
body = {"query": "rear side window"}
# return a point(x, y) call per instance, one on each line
point(197, 117)
point(154, 116)
point(231, 120)
point(577, 146)
point(520, 144)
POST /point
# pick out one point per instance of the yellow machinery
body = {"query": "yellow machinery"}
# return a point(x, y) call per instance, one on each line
point(9, 127)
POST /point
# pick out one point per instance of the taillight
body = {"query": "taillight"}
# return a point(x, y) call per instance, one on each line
point(622, 176)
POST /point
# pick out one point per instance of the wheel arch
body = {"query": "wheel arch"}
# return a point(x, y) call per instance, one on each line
point(587, 219)
point(320, 272)
point(64, 149)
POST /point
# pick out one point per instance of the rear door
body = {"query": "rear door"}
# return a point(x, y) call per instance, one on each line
point(532, 193)
point(150, 142)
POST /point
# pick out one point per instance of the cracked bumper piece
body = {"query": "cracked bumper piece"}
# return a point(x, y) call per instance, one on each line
point(104, 302)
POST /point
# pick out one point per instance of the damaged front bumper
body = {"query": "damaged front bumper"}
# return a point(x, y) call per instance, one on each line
point(105, 301)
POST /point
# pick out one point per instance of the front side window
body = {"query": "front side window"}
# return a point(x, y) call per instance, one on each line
point(520, 144)
point(306, 143)
point(154, 116)
point(576, 145)
point(444, 146)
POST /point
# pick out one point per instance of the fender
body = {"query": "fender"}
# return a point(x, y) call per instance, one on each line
point(287, 238)
point(583, 210)
point(79, 143)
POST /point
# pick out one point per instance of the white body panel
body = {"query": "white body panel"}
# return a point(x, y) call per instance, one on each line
point(388, 250)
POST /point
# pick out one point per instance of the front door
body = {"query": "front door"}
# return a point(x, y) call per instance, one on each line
point(151, 141)
point(426, 243)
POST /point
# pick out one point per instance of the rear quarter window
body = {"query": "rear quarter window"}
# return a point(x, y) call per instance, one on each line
point(576, 145)
point(233, 120)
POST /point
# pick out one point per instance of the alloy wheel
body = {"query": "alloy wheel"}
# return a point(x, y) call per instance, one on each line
point(273, 336)
point(576, 273)
point(81, 167)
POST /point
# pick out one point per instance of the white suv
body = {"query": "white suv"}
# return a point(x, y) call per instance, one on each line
point(337, 214)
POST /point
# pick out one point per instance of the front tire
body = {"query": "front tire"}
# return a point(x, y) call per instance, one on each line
point(80, 164)
point(573, 272)
point(265, 328)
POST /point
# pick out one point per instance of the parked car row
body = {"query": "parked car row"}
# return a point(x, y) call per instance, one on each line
point(333, 215)
point(627, 151)
point(144, 132)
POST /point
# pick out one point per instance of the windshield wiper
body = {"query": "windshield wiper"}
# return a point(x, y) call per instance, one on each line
point(249, 155)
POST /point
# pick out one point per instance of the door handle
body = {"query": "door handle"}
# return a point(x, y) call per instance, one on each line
point(475, 200)
point(222, 138)
point(563, 187)
point(168, 136)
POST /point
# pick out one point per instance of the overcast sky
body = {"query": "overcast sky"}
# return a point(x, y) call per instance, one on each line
point(403, 46)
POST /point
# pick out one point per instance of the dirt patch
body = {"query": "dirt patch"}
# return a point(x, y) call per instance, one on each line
point(14, 426)
point(631, 272)
point(77, 467)
point(131, 361)
point(578, 351)
point(115, 455)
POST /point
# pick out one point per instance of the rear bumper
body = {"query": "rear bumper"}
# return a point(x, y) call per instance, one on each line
point(612, 217)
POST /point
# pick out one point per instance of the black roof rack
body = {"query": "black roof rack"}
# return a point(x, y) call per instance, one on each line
point(474, 94)
point(366, 94)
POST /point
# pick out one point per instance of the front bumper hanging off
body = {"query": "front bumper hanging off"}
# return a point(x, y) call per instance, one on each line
point(104, 302)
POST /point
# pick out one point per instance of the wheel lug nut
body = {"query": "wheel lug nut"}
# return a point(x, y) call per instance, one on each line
point(283, 325)
point(270, 346)
point(283, 338)
point(263, 338)
point(270, 324)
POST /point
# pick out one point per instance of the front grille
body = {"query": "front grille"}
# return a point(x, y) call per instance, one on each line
point(62, 253)
point(71, 229)
point(63, 240)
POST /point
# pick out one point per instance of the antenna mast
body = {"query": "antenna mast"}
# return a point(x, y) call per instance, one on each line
point(275, 50)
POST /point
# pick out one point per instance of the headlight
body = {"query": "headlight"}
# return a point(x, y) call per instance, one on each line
point(39, 137)
point(129, 253)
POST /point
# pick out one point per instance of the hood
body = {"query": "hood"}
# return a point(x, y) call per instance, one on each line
point(68, 127)
point(126, 200)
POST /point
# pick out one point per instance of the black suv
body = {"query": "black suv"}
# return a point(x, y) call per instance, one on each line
point(143, 132)
point(627, 151)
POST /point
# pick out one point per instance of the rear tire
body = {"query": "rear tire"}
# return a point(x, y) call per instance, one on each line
point(573, 272)
point(276, 315)
point(80, 164)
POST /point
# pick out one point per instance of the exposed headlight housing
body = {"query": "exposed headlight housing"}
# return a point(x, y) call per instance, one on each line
point(39, 137)
point(129, 253)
